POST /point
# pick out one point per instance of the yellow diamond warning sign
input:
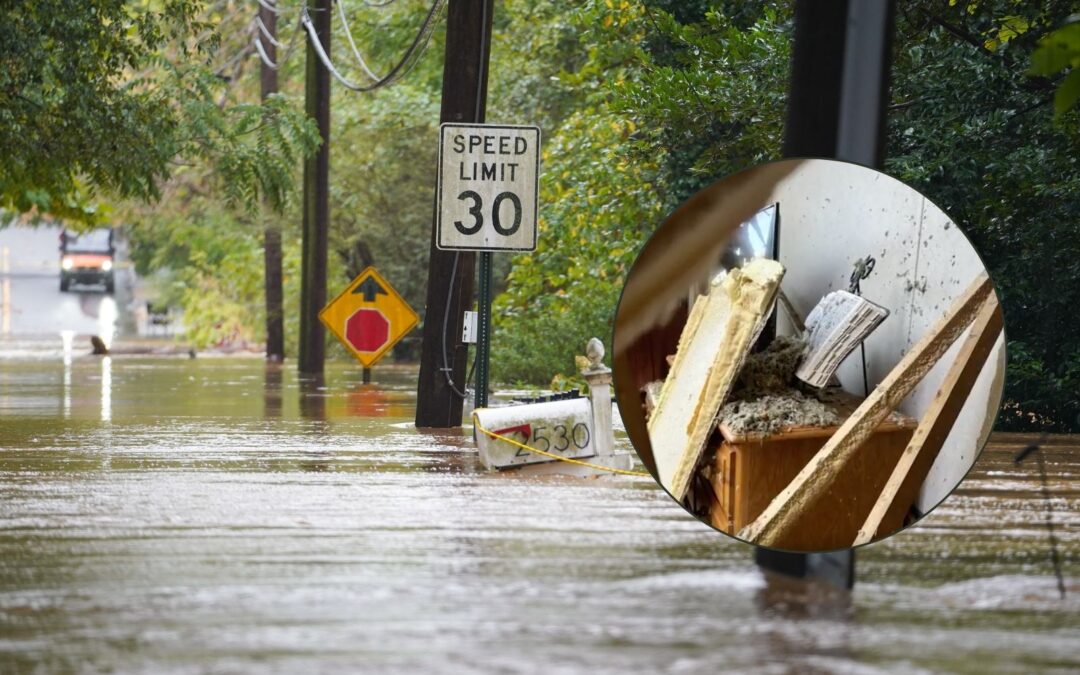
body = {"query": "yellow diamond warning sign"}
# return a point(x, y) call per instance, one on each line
point(369, 317)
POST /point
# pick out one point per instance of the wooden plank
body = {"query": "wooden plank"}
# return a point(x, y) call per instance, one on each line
point(719, 332)
point(783, 515)
point(903, 485)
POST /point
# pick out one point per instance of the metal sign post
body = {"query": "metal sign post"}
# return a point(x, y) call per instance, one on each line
point(483, 345)
point(486, 199)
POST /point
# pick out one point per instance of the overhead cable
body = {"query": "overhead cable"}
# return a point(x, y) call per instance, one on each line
point(352, 43)
point(400, 69)
point(266, 32)
point(263, 55)
point(269, 6)
point(283, 58)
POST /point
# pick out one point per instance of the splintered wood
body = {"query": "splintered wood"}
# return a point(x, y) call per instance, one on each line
point(911, 470)
point(718, 334)
point(783, 515)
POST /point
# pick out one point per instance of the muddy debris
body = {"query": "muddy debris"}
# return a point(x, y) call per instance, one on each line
point(766, 398)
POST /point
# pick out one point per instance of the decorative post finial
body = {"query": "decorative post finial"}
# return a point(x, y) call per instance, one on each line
point(594, 350)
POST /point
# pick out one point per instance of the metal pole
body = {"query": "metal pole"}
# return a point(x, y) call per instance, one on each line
point(450, 273)
point(836, 108)
point(864, 93)
point(272, 276)
point(316, 199)
point(483, 343)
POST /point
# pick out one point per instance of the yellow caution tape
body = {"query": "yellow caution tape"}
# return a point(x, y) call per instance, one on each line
point(506, 439)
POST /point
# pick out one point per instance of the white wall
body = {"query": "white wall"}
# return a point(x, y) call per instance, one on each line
point(832, 213)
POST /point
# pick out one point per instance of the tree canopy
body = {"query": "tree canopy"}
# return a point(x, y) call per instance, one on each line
point(105, 99)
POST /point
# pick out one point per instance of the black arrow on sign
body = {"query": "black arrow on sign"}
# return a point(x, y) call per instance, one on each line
point(370, 288)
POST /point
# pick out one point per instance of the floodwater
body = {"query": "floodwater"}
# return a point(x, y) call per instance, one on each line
point(216, 515)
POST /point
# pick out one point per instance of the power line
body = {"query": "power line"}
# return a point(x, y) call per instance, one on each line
point(401, 68)
point(356, 52)
point(289, 48)
point(266, 32)
point(269, 6)
point(263, 55)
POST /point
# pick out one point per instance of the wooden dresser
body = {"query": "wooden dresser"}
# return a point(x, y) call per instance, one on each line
point(750, 469)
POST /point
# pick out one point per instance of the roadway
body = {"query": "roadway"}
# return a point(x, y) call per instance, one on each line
point(33, 310)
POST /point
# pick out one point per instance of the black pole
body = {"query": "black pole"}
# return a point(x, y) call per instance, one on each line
point(316, 199)
point(817, 62)
point(483, 329)
point(864, 95)
point(450, 273)
point(275, 329)
point(836, 108)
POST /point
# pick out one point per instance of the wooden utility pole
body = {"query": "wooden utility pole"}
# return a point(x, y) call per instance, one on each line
point(275, 329)
point(450, 273)
point(316, 197)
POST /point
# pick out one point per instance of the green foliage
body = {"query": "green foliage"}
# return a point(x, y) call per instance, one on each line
point(664, 108)
point(103, 96)
point(701, 88)
point(1058, 51)
point(971, 131)
point(70, 118)
point(212, 266)
point(250, 151)
point(598, 209)
point(382, 197)
point(710, 97)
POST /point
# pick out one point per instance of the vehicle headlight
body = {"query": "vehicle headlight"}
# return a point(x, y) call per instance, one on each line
point(67, 263)
point(106, 266)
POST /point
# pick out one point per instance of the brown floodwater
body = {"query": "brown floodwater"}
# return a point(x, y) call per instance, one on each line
point(167, 515)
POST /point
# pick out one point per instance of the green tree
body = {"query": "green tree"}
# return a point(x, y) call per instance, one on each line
point(972, 130)
point(672, 102)
point(103, 97)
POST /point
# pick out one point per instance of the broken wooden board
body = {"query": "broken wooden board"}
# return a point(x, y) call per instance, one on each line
point(783, 514)
point(718, 334)
point(914, 464)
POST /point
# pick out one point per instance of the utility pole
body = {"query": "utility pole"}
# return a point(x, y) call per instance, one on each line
point(836, 108)
point(450, 273)
point(275, 329)
point(316, 198)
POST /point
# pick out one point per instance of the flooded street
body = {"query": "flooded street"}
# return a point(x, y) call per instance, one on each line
point(174, 515)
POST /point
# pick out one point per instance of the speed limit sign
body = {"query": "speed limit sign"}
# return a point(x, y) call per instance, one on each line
point(488, 180)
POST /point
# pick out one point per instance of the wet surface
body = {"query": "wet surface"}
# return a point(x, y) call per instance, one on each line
point(216, 515)
point(32, 304)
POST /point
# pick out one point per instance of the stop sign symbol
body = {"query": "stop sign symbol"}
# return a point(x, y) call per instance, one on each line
point(367, 330)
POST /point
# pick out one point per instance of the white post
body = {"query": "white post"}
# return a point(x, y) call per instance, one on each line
point(598, 377)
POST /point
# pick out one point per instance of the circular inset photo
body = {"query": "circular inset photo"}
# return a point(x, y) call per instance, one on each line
point(808, 355)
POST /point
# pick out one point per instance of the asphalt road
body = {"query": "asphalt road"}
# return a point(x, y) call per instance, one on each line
point(31, 303)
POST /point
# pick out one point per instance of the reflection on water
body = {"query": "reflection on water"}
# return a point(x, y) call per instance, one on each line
point(313, 393)
point(272, 379)
point(5, 290)
point(221, 515)
point(106, 316)
point(67, 337)
point(106, 389)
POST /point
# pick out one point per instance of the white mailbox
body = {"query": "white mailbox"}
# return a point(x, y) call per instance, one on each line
point(561, 428)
